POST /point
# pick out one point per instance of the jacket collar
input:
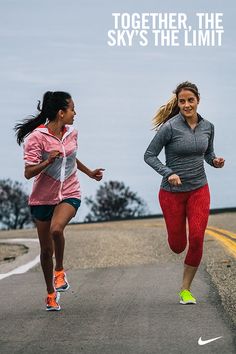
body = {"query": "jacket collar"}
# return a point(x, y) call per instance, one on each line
point(184, 120)
point(68, 129)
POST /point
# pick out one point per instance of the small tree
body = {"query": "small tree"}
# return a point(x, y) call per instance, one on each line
point(14, 210)
point(114, 201)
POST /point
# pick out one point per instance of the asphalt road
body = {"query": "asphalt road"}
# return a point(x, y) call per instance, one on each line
point(125, 304)
point(131, 309)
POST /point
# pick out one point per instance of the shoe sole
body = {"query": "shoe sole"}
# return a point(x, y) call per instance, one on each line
point(54, 308)
point(187, 302)
point(61, 290)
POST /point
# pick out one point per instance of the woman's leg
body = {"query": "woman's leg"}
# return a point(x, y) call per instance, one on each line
point(46, 252)
point(189, 273)
point(62, 214)
point(197, 213)
point(173, 206)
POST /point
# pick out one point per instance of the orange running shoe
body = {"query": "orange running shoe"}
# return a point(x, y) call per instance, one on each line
point(60, 281)
point(52, 302)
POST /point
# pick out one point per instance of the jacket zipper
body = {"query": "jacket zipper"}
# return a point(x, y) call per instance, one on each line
point(63, 171)
point(195, 139)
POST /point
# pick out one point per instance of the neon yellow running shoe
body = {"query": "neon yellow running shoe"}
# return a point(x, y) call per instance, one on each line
point(186, 297)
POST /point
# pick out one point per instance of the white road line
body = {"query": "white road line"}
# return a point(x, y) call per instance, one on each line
point(25, 267)
point(22, 269)
point(18, 240)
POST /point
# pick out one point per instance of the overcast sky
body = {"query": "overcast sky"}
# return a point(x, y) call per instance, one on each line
point(58, 45)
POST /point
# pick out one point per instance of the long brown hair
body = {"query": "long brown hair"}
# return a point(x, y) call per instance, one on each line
point(170, 109)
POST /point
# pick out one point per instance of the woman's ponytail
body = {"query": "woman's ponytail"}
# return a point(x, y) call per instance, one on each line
point(27, 126)
point(52, 103)
point(165, 112)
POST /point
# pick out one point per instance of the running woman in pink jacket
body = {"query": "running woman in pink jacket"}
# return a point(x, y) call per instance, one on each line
point(50, 157)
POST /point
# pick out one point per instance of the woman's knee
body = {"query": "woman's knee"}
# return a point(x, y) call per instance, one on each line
point(56, 231)
point(176, 247)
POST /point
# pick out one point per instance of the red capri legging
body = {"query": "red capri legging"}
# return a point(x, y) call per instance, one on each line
point(178, 207)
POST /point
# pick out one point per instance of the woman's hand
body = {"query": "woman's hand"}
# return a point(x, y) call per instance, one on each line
point(174, 180)
point(53, 155)
point(97, 174)
point(219, 162)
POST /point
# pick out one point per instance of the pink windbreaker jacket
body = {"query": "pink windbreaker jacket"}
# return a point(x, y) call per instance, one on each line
point(59, 180)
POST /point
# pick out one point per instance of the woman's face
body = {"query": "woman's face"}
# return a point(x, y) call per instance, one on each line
point(188, 102)
point(69, 113)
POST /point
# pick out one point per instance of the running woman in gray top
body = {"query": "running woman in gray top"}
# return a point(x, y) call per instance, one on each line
point(184, 194)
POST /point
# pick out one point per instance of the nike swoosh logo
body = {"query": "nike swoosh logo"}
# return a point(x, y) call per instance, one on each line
point(203, 342)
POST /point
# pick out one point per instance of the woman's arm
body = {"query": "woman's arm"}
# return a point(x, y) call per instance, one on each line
point(210, 157)
point(96, 174)
point(34, 170)
point(162, 137)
